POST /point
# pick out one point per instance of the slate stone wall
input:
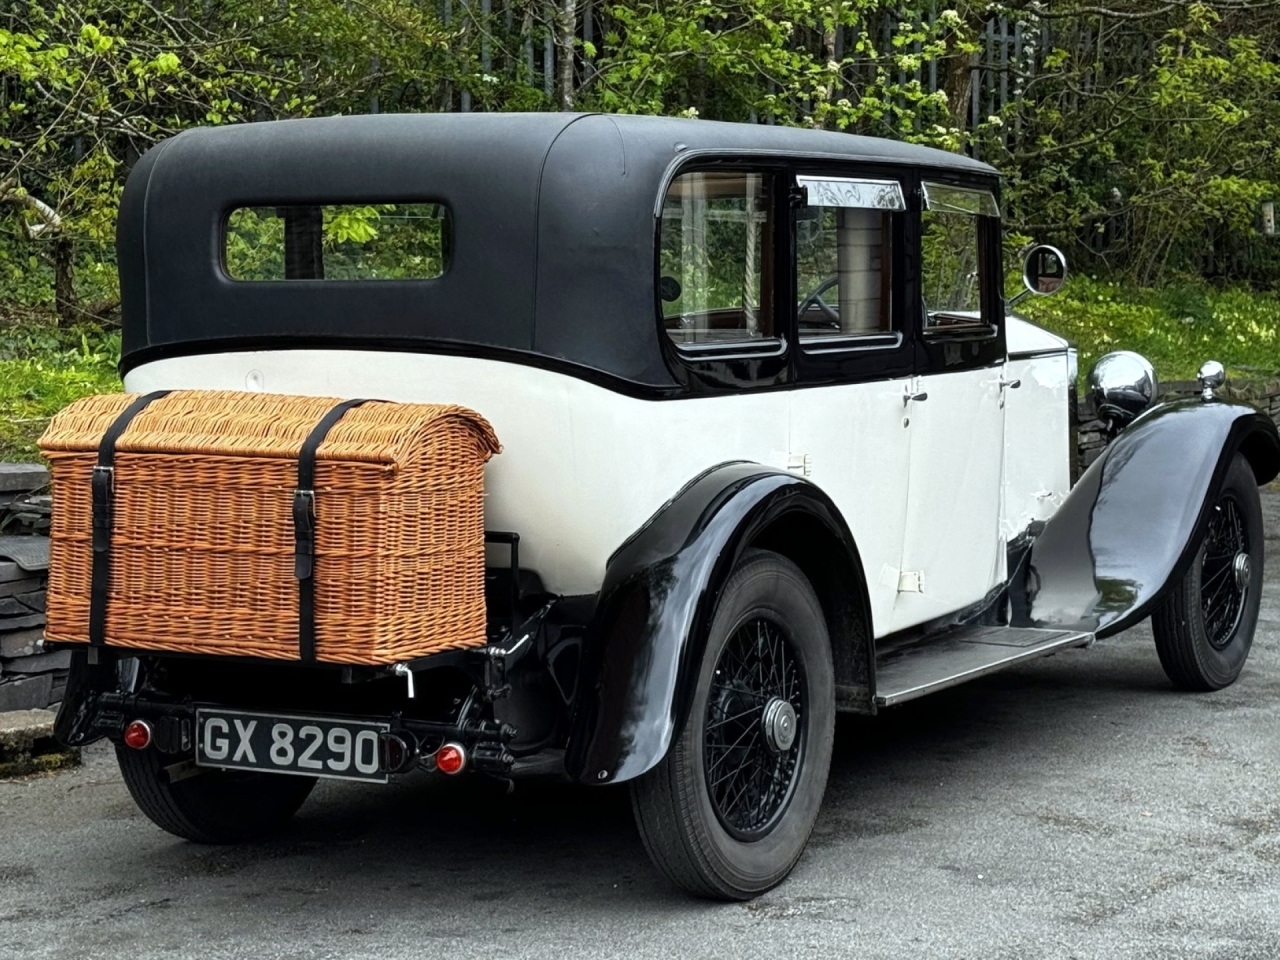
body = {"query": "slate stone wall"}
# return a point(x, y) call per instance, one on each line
point(30, 677)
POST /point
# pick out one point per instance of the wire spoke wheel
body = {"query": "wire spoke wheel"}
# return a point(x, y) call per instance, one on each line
point(1204, 626)
point(754, 732)
point(1224, 572)
point(727, 812)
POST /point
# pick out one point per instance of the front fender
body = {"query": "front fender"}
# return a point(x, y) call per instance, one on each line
point(659, 595)
point(1131, 526)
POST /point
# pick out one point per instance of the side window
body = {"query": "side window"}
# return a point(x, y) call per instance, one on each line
point(716, 258)
point(952, 254)
point(844, 238)
point(368, 241)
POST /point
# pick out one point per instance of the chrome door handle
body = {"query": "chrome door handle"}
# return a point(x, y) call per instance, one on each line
point(1011, 384)
point(908, 396)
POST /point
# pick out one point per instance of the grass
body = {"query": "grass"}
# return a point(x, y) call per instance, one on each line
point(42, 368)
point(1177, 328)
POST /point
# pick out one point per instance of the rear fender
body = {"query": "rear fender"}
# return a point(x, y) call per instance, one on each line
point(650, 628)
point(73, 726)
point(1131, 526)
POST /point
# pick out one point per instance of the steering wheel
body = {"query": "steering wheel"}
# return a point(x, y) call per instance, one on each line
point(814, 299)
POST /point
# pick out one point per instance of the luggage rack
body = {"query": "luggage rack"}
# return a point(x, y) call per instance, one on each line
point(485, 742)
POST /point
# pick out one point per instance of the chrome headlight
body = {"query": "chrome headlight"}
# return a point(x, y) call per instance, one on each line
point(1121, 386)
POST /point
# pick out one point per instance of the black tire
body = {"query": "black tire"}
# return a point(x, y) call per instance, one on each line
point(713, 846)
point(213, 806)
point(1204, 628)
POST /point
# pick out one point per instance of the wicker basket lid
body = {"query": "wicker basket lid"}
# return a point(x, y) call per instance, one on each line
point(242, 424)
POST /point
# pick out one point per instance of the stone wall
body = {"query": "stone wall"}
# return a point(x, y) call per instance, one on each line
point(30, 677)
point(1265, 395)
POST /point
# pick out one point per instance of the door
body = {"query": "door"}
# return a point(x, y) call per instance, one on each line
point(953, 554)
point(850, 441)
point(855, 359)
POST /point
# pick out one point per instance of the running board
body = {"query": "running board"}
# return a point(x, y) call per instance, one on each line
point(964, 653)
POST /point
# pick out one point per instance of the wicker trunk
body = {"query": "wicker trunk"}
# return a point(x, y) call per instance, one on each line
point(202, 531)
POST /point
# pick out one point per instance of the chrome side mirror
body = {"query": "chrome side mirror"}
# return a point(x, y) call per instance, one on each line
point(1044, 271)
point(1121, 385)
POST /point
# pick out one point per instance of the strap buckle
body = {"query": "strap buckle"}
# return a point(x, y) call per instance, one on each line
point(304, 533)
point(104, 484)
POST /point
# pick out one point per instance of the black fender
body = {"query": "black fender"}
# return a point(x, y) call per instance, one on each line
point(1130, 528)
point(659, 594)
point(73, 726)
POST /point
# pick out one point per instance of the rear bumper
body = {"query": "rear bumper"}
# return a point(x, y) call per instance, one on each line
point(101, 701)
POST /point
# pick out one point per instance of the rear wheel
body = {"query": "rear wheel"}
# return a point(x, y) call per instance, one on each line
point(727, 813)
point(1204, 628)
point(211, 806)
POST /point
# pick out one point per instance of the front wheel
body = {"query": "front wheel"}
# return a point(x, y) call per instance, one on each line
point(212, 806)
point(729, 809)
point(1204, 628)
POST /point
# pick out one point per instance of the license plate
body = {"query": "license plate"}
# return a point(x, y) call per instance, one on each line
point(303, 746)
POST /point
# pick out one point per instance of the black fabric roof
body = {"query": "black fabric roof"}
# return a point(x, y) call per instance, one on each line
point(553, 225)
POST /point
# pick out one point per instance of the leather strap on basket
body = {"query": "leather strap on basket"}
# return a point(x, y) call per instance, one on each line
point(103, 495)
point(304, 529)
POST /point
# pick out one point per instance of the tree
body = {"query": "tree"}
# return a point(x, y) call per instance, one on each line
point(1137, 132)
point(89, 87)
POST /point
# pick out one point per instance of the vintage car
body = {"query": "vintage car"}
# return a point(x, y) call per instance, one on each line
point(774, 448)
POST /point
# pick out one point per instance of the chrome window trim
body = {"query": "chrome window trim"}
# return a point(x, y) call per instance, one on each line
point(851, 343)
point(948, 198)
point(745, 349)
point(857, 193)
point(976, 331)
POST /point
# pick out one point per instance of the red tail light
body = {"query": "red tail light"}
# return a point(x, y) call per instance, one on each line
point(451, 758)
point(138, 734)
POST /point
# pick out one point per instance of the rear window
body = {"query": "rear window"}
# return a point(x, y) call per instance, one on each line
point(375, 241)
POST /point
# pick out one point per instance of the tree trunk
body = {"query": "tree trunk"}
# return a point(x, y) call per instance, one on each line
point(565, 33)
point(958, 82)
point(64, 286)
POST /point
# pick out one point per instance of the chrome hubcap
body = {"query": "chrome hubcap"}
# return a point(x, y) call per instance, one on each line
point(779, 722)
point(1241, 567)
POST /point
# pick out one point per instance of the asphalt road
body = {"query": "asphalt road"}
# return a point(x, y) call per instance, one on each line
point(1075, 807)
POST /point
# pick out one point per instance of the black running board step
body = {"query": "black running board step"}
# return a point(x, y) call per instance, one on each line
point(962, 654)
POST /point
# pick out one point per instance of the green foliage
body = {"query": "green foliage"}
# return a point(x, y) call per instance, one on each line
point(1141, 139)
point(755, 59)
point(1150, 162)
point(44, 368)
point(107, 79)
point(1177, 328)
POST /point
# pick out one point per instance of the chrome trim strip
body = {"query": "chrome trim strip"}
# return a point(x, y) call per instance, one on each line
point(853, 192)
point(1034, 354)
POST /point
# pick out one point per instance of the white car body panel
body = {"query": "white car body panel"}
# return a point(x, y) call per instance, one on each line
point(953, 502)
point(1024, 337)
point(583, 466)
point(1037, 454)
point(859, 452)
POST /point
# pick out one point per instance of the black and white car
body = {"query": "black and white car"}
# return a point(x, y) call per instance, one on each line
point(774, 448)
